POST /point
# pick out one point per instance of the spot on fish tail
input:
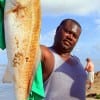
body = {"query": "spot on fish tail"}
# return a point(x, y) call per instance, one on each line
point(17, 42)
point(27, 59)
point(18, 59)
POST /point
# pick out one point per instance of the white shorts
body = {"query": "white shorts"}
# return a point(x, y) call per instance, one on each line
point(91, 76)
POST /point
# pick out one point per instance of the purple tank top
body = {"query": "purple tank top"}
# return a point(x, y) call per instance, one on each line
point(67, 81)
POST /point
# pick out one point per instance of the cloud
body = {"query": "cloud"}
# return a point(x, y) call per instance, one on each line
point(80, 7)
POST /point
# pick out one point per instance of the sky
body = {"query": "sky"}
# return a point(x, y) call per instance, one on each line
point(86, 12)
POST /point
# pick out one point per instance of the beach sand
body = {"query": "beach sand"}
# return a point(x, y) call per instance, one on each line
point(95, 90)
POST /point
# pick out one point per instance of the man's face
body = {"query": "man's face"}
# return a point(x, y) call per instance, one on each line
point(67, 35)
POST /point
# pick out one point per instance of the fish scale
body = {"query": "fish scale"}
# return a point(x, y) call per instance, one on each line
point(22, 21)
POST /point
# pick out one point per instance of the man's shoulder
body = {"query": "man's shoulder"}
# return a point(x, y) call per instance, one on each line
point(44, 48)
point(45, 51)
point(76, 58)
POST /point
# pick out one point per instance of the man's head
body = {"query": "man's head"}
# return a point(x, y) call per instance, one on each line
point(67, 34)
point(87, 59)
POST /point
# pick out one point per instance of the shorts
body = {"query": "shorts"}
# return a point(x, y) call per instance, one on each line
point(91, 77)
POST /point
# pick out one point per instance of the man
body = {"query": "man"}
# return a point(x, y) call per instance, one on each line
point(63, 74)
point(90, 69)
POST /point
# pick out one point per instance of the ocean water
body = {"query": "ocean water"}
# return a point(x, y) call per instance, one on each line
point(2, 70)
point(6, 89)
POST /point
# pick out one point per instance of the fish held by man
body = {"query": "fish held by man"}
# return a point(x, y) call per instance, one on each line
point(22, 19)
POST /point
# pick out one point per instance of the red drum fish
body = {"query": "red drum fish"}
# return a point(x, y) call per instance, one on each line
point(22, 21)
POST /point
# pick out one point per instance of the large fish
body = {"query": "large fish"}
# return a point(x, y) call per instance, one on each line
point(22, 21)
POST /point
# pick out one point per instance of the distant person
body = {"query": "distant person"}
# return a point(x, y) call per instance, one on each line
point(90, 69)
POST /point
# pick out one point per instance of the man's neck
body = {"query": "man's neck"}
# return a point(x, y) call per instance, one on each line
point(64, 55)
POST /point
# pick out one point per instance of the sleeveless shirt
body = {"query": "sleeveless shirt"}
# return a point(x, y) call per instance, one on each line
point(67, 80)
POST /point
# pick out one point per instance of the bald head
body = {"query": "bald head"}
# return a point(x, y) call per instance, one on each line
point(76, 25)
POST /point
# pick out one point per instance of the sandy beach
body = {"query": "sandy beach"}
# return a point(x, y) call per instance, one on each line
point(95, 90)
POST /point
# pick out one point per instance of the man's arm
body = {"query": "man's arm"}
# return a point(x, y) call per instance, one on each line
point(87, 67)
point(47, 61)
